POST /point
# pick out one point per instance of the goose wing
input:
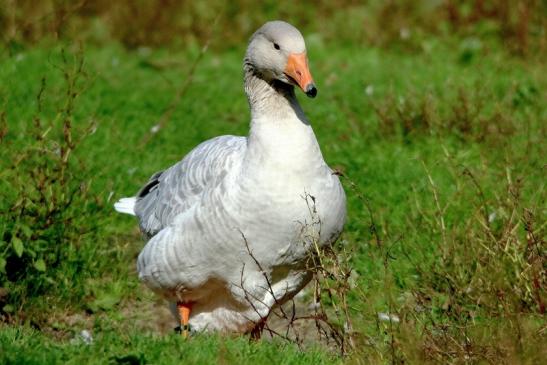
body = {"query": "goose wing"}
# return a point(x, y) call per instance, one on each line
point(171, 192)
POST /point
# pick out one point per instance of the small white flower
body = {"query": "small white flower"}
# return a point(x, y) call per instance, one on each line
point(369, 90)
point(85, 335)
point(385, 317)
point(155, 129)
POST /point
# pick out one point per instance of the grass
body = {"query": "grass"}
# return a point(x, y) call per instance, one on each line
point(30, 347)
point(443, 149)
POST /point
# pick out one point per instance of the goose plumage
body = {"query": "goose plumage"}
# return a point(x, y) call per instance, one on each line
point(230, 227)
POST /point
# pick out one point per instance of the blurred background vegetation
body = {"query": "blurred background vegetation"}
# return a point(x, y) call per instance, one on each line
point(518, 25)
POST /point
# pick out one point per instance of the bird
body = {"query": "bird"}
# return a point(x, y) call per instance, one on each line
point(230, 229)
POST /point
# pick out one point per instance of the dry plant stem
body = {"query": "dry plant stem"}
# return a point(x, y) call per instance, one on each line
point(437, 203)
point(270, 289)
point(256, 333)
point(467, 172)
point(331, 281)
point(535, 259)
point(373, 227)
point(337, 292)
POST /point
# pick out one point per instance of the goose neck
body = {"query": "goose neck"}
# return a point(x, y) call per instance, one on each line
point(271, 101)
point(280, 134)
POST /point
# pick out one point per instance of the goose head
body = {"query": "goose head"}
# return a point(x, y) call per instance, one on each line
point(277, 53)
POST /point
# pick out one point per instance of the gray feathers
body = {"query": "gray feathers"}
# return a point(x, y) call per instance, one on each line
point(173, 191)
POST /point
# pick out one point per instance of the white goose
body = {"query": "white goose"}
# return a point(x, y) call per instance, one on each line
point(228, 226)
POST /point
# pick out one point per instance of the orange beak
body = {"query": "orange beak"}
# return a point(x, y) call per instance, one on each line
point(297, 70)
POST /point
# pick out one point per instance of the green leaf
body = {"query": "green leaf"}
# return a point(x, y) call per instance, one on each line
point(40, 265)
point(2, 265)
point(8, 308)
point(26, 230)
point(17, 246)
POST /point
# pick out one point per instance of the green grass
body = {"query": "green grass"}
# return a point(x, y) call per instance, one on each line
point(30, 347)
point(444, 147)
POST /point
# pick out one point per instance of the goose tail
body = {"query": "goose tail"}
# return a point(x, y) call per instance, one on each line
point(126, 205)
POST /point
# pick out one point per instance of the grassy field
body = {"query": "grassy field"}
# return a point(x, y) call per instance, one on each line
point(442, 148)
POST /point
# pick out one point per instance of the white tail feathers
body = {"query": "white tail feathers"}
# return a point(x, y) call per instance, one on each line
point(126, 205)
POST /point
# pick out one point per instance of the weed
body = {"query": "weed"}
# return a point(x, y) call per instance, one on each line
point(45, 197)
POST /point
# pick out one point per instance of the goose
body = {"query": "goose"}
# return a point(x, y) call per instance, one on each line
point(231, 227)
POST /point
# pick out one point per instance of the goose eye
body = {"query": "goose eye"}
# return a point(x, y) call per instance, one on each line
point(276, 46)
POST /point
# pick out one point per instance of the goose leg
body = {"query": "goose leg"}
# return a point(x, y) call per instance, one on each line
point(184, 314)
